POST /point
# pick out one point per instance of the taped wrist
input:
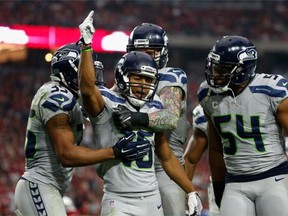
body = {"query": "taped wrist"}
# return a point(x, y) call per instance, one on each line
point(139, 119)
point(218, 188)
point(117, 152)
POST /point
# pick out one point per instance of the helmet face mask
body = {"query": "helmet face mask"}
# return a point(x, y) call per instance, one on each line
point(218, 75)
point(99, 70)
point(231, 62)
point(136, 77)
point(147, 37)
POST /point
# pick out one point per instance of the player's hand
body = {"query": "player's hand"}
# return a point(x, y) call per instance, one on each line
point(126, 149)
point(125, 119)
point(122, 117)
point(194, 204)
point(87, 29)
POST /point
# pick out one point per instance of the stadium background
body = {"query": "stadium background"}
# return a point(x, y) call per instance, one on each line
point(192, 26)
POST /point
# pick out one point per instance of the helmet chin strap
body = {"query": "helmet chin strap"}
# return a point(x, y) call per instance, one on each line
point(225, 88)
point(233, 94)
point(234, 102)
point(220, 90)
point(137, 103)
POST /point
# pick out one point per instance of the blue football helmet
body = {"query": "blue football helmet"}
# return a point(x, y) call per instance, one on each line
point(138, 63)
point(231, 62)
point(150, 36)
point(64, 66)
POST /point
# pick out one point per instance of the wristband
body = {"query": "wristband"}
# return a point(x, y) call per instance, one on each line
point(117, 153)
point(139, 119)
point(86, 49)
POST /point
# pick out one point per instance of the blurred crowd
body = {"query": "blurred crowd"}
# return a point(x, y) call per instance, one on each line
point(266, 20)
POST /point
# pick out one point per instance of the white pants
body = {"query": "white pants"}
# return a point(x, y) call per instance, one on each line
point(172, 195)
point(38, 199)
point(264, 197)
point(119, 205)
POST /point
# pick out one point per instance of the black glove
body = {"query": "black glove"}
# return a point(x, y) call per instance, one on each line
point(126, 149)
point(126, 119)
point(218, 188)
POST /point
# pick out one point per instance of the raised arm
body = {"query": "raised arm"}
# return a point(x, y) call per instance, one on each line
point(91, 96)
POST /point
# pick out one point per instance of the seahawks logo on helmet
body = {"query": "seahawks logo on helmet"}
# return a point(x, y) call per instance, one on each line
point(248, 54)
point(63, 55)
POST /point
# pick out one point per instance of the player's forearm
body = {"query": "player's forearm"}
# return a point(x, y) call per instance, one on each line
point(176, 172)
point(82, 156)
point(217, 165)
point(167, 118)
point(215, 152)
point(170, 163)
point(190, 169)
point(86, 72)
point(218, 170)
point(91, 96)
point(193, 152)
point(164, 120)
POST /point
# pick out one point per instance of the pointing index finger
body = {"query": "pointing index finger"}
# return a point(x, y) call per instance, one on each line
point(90, 14)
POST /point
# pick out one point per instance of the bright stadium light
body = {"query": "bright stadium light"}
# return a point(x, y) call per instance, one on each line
point(116, 41)
point(52, 37)
point(13, 36)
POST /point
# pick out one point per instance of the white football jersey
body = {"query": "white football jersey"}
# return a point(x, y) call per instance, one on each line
point(199, 119)
point(177, 137)
point(134, 178)
point(42, 165)
point(252, 140)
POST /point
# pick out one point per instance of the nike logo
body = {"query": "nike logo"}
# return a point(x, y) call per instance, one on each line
point(159, 206)
point(278, 179)
point(128, 118)
point(284, 84)
point(60, 99)
point(125, 151)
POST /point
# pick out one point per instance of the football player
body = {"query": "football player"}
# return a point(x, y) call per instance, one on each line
point(196, 147)
point(130, 188)
point(54, 132)
point(172, 90)
point(246, 114)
